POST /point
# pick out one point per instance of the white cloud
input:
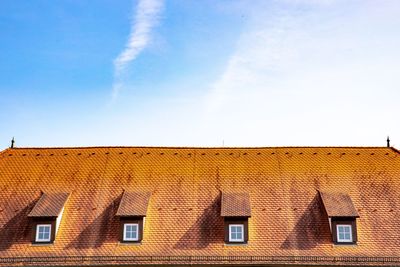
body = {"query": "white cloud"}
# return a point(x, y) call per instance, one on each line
point(147, 16)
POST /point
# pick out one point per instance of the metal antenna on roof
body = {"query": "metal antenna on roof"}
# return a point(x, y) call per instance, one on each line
point(388, 142)
point(12, 142)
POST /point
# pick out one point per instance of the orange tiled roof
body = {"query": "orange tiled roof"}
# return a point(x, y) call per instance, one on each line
point(49, 205)
point(184, 215)
point(338, 205)
point(235, 205)
point(133, 204)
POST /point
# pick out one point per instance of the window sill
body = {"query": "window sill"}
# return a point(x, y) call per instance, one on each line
point(344, 245)
point(130, 243)
point(236, 244)
point(42, 244)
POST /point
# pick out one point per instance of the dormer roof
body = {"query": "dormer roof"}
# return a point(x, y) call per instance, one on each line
point(49, 205)
point(133, 204)
point(235, 204)
point(338, 204)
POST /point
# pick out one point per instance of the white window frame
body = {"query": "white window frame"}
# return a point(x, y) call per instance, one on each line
point(230, 231)
point(38, 239)
point(125, 238)
point(344, 240)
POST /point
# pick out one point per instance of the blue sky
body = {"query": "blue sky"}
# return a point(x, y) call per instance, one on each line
point(200, 73)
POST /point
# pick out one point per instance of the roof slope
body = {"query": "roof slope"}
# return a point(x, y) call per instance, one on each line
point(183, 216)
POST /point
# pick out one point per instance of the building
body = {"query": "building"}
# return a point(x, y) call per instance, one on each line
point(110, 206)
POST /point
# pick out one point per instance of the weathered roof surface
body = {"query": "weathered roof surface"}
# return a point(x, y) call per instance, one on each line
point(235, 205)
point(184, 213)
point(133, 204)
point(338, 204)
point(49, 205)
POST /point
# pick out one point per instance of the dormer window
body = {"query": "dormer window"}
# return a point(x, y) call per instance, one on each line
point(131, 232)
point(235, 208)
point(344, 233)
point(46, 217)
point(132, 212)
point(236, 233)
point(43, 233)
point(342, 217)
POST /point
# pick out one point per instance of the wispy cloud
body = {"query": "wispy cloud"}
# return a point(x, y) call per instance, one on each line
point(304, 69)
point(147, 16)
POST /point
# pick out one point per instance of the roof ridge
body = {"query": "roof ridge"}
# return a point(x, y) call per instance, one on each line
point(202, 147)
point(395, 150)
point(4, 151)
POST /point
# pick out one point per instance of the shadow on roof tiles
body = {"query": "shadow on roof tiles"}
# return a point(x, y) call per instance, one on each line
point(311, 230)
point(103, 229)
point(17, 229)
point(208, 228)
